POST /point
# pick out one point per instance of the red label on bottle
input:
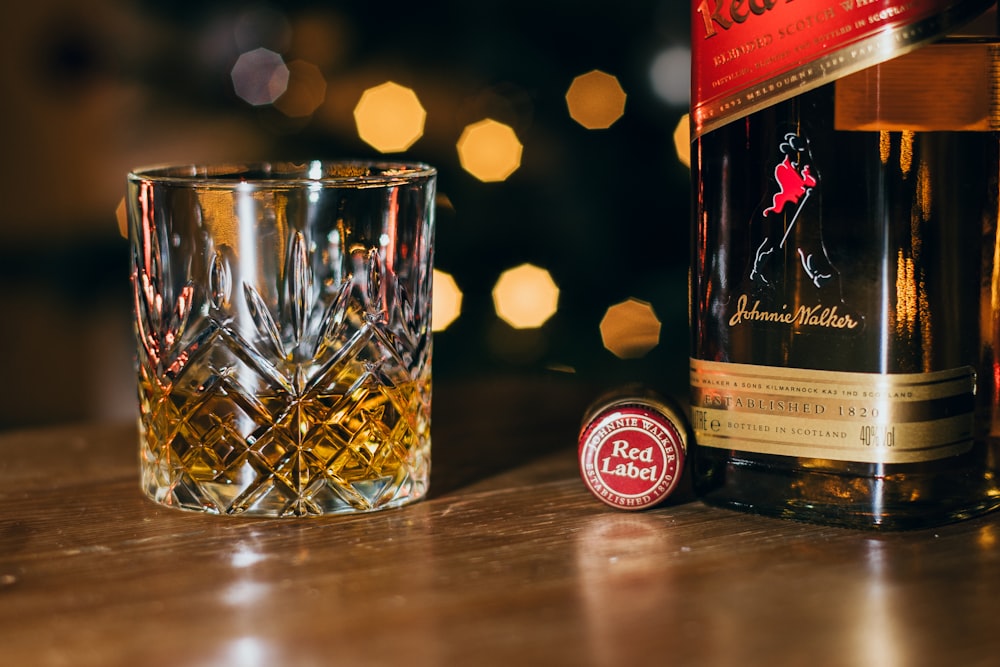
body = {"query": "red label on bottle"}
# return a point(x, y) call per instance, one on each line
point(749, 54)
point(630, 457)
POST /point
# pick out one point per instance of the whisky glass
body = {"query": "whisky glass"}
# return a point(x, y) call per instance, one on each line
point(283, 329)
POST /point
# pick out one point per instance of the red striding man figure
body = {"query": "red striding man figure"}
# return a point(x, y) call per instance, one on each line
point(792, 185)
point(796, 181)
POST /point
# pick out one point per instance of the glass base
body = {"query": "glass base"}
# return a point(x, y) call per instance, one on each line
point(287, 488)
point(867, 496)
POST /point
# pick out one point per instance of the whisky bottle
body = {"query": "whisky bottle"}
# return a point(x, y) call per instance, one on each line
point(846, 264)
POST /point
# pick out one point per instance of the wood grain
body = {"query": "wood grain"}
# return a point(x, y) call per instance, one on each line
point(510, 561)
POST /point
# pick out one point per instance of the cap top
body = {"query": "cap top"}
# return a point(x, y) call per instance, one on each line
point(631, 455)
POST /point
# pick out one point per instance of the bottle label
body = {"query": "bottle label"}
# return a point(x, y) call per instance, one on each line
point(862, 417)
point(750, 54)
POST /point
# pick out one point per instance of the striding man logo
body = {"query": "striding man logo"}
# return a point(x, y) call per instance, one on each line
point(795, 181)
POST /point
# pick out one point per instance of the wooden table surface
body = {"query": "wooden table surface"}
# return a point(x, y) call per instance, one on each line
point(509, 561)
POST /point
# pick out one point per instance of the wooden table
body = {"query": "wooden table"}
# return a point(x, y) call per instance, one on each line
point(510, 561)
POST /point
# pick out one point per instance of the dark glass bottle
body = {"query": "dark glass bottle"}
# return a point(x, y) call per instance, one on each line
point(844, 302)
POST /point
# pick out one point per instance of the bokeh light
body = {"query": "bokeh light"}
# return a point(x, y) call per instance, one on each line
point(670, 76)
point(595, 100)
point(525, 297)
point(682, 140)
point(260, 76)
point(389, 117)
point(122, 216)
point(630, 329)
point(447, 304)
point(305, 92)
point(489, 150)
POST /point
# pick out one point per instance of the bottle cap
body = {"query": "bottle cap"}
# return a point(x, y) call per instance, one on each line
point(631, 449)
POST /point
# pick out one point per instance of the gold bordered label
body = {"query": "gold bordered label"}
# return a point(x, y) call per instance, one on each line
point(750, 54)
point(862, 417)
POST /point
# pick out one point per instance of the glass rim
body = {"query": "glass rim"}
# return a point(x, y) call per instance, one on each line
point(284, 173)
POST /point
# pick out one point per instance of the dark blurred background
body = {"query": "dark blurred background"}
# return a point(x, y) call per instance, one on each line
point(93, 89)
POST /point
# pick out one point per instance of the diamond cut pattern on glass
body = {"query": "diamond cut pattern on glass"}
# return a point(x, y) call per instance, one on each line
point(303, 407)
